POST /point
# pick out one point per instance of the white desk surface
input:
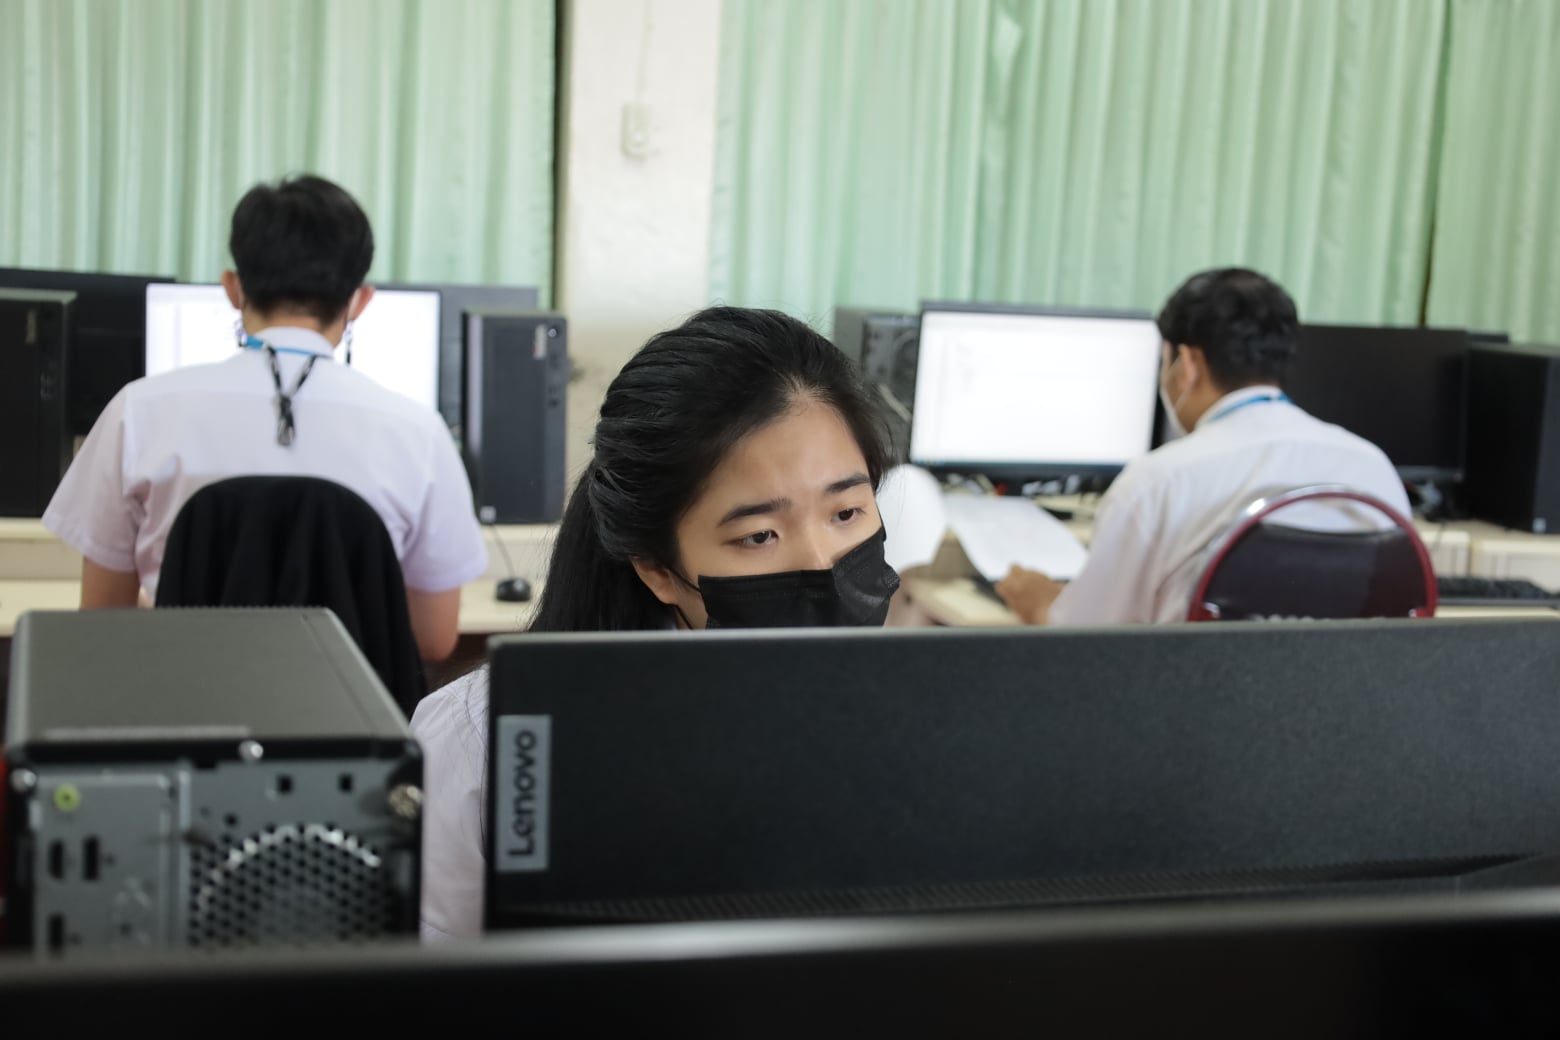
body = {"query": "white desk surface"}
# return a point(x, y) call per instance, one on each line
point(481, 613)
point(954, 601)
point(18, 597)
point(958, 602)
point(1452, 545)
point(38, 572)
point(28, 551)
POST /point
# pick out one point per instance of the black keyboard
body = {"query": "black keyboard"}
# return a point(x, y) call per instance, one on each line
point(1474, 590)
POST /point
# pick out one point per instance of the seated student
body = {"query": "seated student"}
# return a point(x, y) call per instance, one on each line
point(732, 485)
point(301, 249)
point(1228, 335)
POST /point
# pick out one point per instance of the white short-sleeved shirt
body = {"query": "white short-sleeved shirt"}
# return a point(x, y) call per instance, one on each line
point(1157, 521)
point(165, 437)
point(451, 724)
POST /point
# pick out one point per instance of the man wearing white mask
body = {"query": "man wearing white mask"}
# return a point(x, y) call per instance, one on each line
point(1228, 335)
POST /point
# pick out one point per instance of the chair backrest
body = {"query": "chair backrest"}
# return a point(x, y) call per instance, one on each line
point(282, 541)
point(1260, 570)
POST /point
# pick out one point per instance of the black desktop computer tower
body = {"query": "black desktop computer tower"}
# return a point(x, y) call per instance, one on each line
point(35, 332)
point(204, 778)
point(884, 343)
point(850, 325)
point(512, 421)
point(1513, 467)
point(108, 335)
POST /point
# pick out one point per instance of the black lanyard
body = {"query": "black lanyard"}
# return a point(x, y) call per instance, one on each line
point(286, 427)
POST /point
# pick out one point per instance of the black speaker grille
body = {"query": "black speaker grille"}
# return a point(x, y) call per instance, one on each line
point(289, 884)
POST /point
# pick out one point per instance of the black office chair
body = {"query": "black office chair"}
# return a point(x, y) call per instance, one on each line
point(1260, 570)
point(297, 542)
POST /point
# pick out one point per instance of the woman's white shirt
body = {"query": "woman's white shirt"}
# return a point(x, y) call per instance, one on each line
point(451, 724)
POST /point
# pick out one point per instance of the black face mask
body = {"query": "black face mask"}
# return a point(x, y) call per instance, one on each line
point(854, 592)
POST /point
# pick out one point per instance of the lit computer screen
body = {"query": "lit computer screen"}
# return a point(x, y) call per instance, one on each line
point(455, 301)
point(1403, 389)
point(1029, 392)
point(395, 342)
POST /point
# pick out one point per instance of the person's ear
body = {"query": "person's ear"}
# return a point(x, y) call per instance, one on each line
point(234, 290)
point(359, 301)
point(659, 579)
point(1192, 371)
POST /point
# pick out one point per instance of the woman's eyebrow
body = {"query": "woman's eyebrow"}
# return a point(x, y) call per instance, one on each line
point(852, 481)
point(780, 505)
point(774, 505)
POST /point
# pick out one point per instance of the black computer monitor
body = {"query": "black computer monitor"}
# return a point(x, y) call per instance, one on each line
point(110, 332)
point(1478, 966)
point(456, 301)
point(1403, 389)
point(1023, 392)
point(679, 775)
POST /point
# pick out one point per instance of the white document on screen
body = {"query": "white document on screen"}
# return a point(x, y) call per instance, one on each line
point(998, 532)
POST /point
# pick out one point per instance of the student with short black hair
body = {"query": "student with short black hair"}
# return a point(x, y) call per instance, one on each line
point(301, 246)
point(1228, 336)
point(280, 406)
point(733, 485)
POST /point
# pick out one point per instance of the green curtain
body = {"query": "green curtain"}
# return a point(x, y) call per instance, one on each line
point(1075, 152)
point(846, 161)
point(131, 127)
point(1497, 237)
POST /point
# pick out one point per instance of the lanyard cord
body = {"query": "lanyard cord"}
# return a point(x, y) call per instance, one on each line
point(1238, 405)
point(286, 426)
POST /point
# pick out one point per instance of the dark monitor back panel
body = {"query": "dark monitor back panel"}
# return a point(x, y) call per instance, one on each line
point(454, 302)
point(109, 344)
point(1473, 967)
point(702, 774)
point(1402, 389)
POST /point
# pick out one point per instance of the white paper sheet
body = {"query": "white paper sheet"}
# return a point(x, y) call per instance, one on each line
point(998, 532)
point(911, 504)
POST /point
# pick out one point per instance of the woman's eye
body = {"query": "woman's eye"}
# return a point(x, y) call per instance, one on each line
point(760, 538)
point(845, 516)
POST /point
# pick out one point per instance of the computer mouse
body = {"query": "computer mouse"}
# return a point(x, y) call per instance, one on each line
point(513, 590)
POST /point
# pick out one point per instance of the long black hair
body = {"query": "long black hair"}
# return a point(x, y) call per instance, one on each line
point(668, 419)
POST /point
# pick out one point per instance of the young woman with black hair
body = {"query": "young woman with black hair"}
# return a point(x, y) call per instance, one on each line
point(732, 484)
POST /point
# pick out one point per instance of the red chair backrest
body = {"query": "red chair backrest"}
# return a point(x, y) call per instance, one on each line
point(1260, 570)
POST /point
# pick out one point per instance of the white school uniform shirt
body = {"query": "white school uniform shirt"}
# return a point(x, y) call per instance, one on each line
point(165, 437)
point(1155, 525)
point(451, 724)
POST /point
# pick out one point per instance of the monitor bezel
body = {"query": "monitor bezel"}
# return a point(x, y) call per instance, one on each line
point(1035, 470)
